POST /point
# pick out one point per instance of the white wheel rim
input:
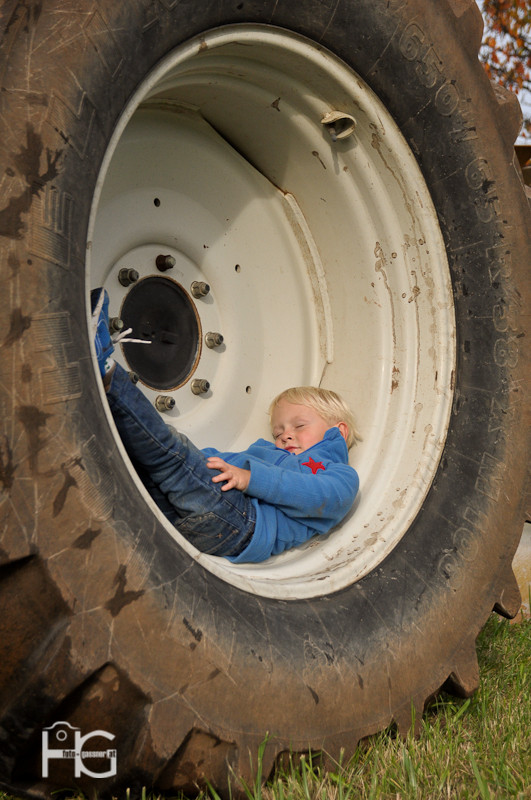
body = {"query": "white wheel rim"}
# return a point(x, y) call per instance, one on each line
point(326, 266)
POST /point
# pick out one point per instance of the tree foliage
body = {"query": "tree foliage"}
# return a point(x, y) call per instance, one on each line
point(506, 47)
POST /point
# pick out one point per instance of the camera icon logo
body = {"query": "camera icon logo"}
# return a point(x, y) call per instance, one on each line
point(62, 741)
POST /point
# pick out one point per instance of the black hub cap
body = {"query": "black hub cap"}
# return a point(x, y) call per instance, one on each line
point(160, 311)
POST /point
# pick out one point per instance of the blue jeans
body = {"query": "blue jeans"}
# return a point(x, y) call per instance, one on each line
point(175, 473)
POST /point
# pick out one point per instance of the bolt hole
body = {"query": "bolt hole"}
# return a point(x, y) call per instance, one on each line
point(248, 389)
point(156, 202)
point(237, 268)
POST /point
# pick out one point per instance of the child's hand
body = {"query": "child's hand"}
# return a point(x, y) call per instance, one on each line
point(236, 477)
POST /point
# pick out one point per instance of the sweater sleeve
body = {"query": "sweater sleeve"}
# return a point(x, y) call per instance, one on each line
point(323, 497)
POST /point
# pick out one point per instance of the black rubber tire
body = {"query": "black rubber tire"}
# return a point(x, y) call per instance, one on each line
point(105, 622)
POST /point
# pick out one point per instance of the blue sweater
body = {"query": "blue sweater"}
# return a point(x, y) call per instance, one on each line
point(295, 496)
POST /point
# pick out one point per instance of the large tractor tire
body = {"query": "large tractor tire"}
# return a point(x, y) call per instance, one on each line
point(341, 175)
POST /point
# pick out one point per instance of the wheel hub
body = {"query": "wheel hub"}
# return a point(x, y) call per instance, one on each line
point(160, 311)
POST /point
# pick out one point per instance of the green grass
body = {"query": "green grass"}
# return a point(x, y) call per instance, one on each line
point(476, 748)
point(467, 749)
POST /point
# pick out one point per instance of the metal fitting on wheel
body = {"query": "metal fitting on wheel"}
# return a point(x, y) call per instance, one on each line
point(127, 276)
point(213, 339)
point(199, 386)
point(164, 263)
point(115, 324)
point(164, 403)
point(340, 125)
point(199, 289)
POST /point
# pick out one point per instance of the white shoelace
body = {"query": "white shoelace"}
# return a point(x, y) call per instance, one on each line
point(121, 337)
point(116, 337)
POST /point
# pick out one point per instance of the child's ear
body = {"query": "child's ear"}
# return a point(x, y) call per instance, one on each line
point(343, 429)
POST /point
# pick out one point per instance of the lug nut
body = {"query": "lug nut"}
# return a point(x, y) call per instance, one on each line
point(127, 276)
point(199, 386)
point(213, 339)
point(115, 324)
point(165, 263)
point(133, 377)
point(199, 289)
point(164, 402)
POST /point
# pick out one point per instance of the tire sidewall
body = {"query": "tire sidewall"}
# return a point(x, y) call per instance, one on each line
point(436, 588)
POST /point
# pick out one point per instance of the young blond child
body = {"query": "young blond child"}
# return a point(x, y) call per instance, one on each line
point(262, 501)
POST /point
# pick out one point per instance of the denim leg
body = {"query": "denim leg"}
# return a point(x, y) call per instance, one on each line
point(159, 497)
point(175, 473)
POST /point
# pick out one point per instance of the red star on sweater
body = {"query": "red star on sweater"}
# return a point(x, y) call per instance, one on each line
point(314, 465)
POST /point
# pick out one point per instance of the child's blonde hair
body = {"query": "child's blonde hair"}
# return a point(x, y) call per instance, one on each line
point(328, 404)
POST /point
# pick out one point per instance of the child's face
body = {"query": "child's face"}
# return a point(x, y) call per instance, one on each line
point(296, 427)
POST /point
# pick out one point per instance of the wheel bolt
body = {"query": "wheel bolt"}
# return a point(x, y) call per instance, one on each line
point(199, 289)
point(213, 339)
point(133, 377)
point(199, 386)
point(165, 263)
point(115, 324)
point(127, 276)
point(164, 402)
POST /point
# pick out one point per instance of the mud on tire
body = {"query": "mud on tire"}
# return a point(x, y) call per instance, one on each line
point(109, 622)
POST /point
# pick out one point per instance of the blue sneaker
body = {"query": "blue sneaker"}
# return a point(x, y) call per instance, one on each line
point(99, 302)
point(103, 341)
